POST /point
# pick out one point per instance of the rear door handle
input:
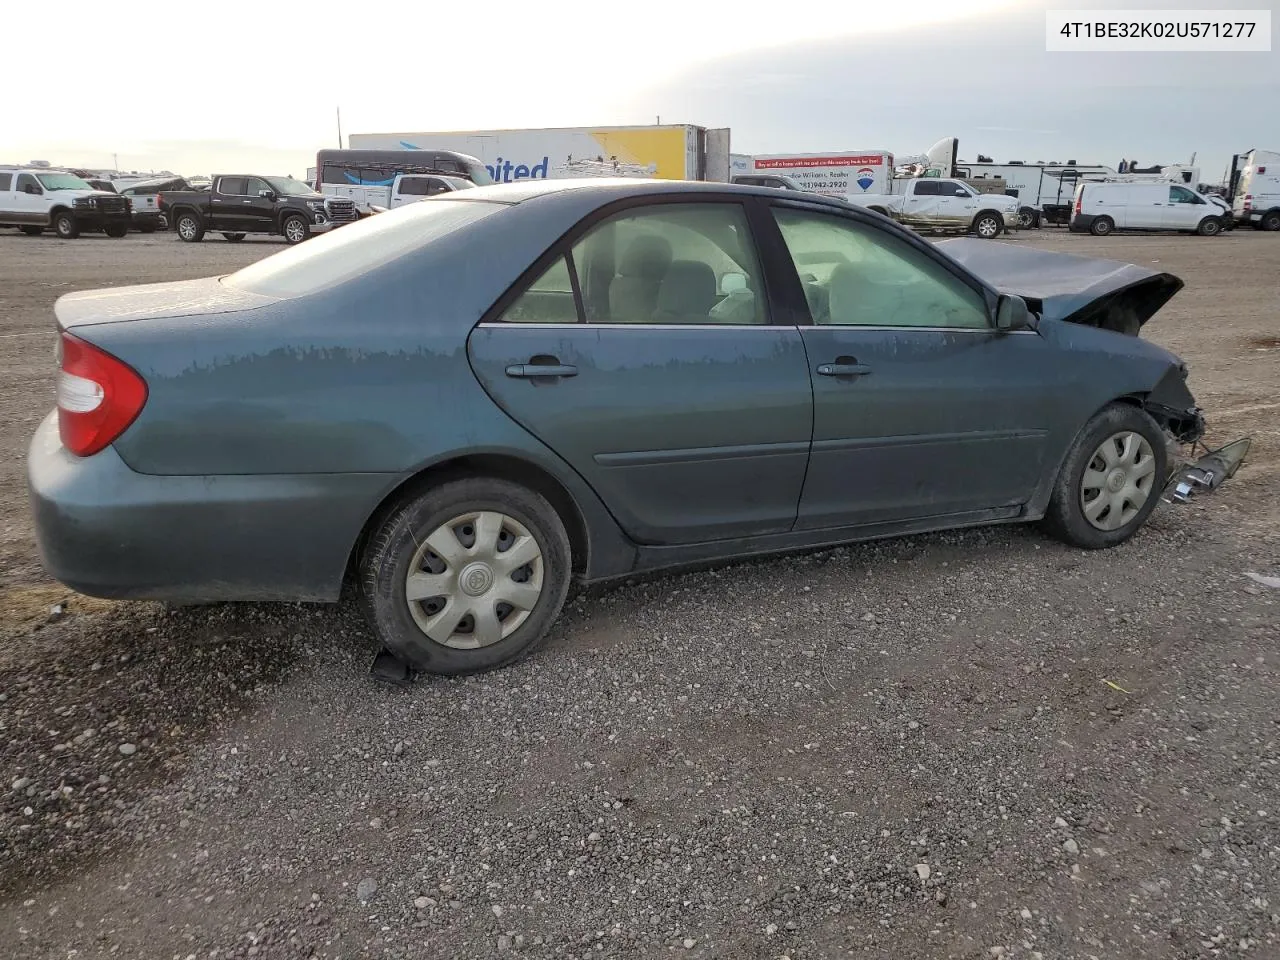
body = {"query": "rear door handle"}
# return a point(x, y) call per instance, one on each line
point(840, 369)
point(529, 371)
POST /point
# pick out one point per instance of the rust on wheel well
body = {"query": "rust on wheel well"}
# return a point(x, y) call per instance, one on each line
point(499, 467)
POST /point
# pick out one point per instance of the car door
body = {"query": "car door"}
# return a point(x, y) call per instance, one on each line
point(645, 355)
point(921, 408)
point(1184, 209)
point(956, 204)
point(259, 211)
point(29, 203)
point(224, 204)
point(921, 203)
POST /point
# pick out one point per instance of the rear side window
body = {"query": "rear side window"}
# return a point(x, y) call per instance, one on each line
point(927, 188)
point(332, 258)
point(231, 186)
point(6, 181)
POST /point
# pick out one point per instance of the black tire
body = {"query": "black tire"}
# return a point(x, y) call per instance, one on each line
point(1065, 518)
point(1270, 220)
point(1209, 227)
point(65, 226)
point(988, 224)
point(1102, 227)
point(1027, 219)
point(234, 237)
point(32, 231)
point(385, 566)
point(189, 227)
point(116, 230)
point(295, 228)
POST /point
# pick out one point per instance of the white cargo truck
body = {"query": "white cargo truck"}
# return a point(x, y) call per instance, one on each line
point(667, 151)
point(1255, 189)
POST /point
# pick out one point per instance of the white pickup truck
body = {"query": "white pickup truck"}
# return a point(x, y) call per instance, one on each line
point(936, 203)
point(403, 188)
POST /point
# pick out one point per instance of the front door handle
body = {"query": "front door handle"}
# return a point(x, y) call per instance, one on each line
point(529, 371)
point(843, 367)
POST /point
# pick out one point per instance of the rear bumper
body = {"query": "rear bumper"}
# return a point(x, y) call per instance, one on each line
point(107, 531)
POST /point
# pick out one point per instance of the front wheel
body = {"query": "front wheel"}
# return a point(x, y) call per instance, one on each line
point(65, 226)
point(295, 228)
point(1102, 227)
point(1209, 227)
point(988, 225)
point(233, 237)
point(189, 227)
point(467, 576)
point(1111, 479)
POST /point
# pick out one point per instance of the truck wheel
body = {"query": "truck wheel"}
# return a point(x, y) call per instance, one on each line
point(234, 237)
point(1102, 226)
point(189, 228)
point(295, 228)
point(1026, 218)
point(1209, 227)
point(65, 226)
point(1270, 220)
point(32, 231)
point(988, 225)
point(115, 230)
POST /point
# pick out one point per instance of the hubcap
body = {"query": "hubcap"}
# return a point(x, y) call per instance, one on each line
point(294, 230)
point(1118, 480)
point(475, 580)
point(987, 227)
point(187, 228)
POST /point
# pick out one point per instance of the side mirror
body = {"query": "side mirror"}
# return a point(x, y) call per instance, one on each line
point(267, 195)
point(33, 188)
point(1012, 314)
point(961, 193)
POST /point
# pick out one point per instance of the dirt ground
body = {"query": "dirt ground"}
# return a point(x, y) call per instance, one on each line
point(965, 745)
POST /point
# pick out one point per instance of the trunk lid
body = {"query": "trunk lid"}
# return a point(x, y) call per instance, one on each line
point(180, 298)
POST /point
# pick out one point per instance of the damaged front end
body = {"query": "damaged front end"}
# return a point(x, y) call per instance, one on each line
point(1171, 405)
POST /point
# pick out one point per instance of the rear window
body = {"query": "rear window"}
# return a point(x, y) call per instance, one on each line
point(351, 250)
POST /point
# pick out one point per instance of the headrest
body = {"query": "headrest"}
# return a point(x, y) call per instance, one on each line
point(647, 258)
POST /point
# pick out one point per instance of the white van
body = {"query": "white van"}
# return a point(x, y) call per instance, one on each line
point(1101, 208)
point(1257, 191)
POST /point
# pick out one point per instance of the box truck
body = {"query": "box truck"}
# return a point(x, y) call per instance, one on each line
point(678, 151)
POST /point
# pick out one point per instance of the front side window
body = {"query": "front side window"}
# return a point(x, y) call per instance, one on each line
point(949, 188)
point(25, 184)
point(854, 275)
point(254, 186)
point(687, 263)
point(1182, 195)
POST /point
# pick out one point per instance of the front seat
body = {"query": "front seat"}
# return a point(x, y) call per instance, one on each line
point(687, 294)
point(633, 295)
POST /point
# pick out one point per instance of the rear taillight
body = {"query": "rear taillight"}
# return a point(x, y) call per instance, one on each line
point(98, 396)
point(159, 200)
point(1079, 201)
point(1248, 202)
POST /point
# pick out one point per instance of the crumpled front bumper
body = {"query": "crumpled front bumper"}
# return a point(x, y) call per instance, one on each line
point(1206, 474)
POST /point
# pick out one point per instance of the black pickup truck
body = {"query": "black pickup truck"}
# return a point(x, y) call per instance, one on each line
point(242, 204)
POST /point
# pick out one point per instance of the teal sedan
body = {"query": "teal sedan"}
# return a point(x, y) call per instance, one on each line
point(458, 407)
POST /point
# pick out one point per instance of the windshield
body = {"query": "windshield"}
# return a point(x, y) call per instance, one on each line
point(62, 181)
point(332, 258)
point(288, 187)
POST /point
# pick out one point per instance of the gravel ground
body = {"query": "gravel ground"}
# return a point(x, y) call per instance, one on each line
point(963, 745)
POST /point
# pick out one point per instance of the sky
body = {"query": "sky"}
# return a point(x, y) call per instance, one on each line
point(256, 85)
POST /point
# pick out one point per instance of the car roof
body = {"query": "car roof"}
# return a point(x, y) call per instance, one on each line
point(605, 189)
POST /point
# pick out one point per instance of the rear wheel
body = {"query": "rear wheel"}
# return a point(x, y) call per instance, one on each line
point(32, 231)
point(467, 576)
point(189, 228)
point(1209, 227)
point(1270, 220)
point(295, 228)
point(1028, 218)
point(988, 225)
point(234, 237)
point(65, 226)
point(1110, 481)
point(1102, 226)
